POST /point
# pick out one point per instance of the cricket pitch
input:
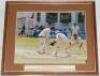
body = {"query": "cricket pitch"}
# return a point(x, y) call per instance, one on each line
point(25, 53)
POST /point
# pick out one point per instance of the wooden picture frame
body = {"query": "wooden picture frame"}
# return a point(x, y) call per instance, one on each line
point(11, 68)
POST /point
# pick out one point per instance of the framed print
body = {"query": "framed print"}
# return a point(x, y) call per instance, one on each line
point(50, 38)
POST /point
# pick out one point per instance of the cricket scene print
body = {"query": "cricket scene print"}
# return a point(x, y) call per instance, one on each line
point(51, 37)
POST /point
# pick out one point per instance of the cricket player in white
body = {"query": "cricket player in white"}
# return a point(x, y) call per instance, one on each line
point(62, 45)
point(75, 30)
point(75, 39)
point(44, 40)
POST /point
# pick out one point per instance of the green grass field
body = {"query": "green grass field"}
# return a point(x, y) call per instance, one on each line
point(25, 53)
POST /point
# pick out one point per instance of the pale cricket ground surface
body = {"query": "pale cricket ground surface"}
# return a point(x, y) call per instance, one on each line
point(26, 53)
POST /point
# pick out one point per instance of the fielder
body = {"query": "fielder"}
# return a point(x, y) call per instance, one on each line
point(75, 30)
point(75, 39)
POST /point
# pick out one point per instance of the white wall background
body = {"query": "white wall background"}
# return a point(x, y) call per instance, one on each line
point(2, 12)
